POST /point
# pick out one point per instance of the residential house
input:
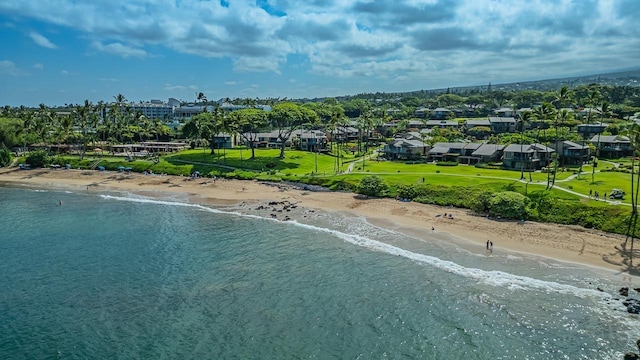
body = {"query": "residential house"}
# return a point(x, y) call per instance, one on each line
point(588, 130)
point(403, 149)
point(345, 133)
point(224, 141)
point(570, 153)
point(270, 140)
point(528, 157)
point(477, 123)
point(416, 124)
point(612, 146)
point(501, 125)
point(448, 124)
point(441, 114)
point(422, 113)
point(310, 140)
point(451, 151)
point(505, 112)
point(487, 153)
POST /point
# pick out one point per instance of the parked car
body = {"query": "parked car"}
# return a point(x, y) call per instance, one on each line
point(616, 194)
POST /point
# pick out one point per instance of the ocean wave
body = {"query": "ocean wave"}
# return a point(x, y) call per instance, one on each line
point(489, 277)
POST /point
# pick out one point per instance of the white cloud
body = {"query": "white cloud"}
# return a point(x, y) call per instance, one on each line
point(119, 50)
point(64, 72)
point(42, 40)
point(230, 83)
point(9, 68)
point(404, 42)
point(38, 66)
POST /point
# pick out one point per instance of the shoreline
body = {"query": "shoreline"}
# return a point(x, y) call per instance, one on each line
point(565, 243)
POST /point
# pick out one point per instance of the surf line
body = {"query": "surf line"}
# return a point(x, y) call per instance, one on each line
point(489, 277)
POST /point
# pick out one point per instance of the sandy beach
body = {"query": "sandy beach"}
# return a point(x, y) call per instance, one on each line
point(565, 243)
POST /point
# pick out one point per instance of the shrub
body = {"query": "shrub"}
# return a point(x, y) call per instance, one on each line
point(372, 185)
point(447, 163)
point(508, 204)
point(5, 157)
point(38, 158)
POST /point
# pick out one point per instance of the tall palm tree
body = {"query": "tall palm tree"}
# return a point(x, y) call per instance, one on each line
point(28, 124)
point(525, 117)
point(562, 97)
point(604, 110)
point(44, 123)
point(545, 112)
point(634, 137)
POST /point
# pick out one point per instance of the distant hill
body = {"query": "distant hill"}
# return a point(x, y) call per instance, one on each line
point(623, 78)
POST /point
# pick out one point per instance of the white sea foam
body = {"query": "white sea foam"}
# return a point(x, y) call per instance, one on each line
point(489, 277)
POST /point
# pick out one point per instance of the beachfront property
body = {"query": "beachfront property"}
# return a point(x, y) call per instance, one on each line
point(526, 156)
point(571, 153)
point(269, 140)
point(466, 153)
point(404, 149)
point(612, 146)
point(224, 141)
point(310, 140)
point(486, 153)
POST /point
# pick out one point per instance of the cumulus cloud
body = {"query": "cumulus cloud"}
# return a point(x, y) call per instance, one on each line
point(42, 40)
point(119, 49)
point(9, 68)
point(399, 41)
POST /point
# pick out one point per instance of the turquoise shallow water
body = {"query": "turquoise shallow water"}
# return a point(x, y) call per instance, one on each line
point(121, 276)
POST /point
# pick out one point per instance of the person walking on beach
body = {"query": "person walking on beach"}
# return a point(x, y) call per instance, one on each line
point(488, 244)
point(491, 245)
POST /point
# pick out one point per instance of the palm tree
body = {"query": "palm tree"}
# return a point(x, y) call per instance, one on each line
point(563, 96)
point(634, 137)
point(545, 112)
point(28, 124)
point(524, 118)
point(604, 110)
point(44, 123)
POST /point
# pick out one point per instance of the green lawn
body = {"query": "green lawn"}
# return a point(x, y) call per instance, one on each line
point(604, 182)
point(302, 163)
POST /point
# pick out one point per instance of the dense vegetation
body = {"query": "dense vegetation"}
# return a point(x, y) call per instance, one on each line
point(86, 127)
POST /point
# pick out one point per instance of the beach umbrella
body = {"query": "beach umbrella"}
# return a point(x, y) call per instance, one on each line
point(127, 169)
point(100, 168)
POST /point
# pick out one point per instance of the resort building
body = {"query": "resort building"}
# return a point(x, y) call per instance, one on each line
point(310, 140)
point(403, 149)
point(526, 156)
point(570, 153)
point(612, 146)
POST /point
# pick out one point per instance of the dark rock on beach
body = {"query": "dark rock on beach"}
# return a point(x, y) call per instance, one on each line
point(633, 306)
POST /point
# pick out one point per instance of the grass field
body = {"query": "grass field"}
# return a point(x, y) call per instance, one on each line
point(299, 164)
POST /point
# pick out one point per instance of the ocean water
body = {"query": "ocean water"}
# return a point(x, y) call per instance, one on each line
point(122, 276)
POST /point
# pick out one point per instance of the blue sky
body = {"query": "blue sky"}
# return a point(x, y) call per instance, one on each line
point(66, 51)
